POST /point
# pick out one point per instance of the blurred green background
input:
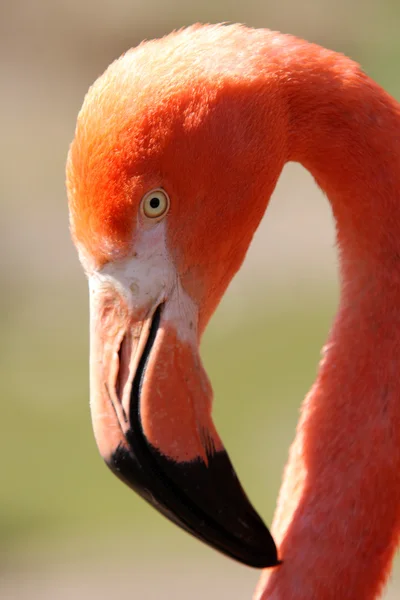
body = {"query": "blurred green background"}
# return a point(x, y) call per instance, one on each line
point(68, 528)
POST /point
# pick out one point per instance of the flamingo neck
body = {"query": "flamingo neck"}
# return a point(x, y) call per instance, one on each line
point(337, 522)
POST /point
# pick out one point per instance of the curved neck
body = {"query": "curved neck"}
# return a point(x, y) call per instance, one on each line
point(346, 132)
point(338, 518)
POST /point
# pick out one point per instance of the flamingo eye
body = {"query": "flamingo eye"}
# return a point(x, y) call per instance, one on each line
point(155, 204)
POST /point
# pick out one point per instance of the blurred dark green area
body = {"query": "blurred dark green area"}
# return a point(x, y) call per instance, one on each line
point(263, 346)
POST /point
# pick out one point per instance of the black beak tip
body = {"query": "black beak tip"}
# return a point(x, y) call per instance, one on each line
point(205, 500)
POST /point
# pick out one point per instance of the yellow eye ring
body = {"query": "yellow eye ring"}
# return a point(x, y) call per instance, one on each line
point(155, 204)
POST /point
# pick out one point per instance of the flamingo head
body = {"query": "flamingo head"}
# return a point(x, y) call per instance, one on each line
point(166, 187)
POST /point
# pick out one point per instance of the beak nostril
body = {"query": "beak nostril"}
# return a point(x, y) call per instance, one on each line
point(123, 368)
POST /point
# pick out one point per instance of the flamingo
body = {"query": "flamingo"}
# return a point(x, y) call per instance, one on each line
point(177, 150)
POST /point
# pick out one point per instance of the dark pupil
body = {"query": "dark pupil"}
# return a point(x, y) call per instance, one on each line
point(154, 202)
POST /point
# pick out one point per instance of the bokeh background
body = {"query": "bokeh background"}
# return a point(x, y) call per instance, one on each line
point(68, 528)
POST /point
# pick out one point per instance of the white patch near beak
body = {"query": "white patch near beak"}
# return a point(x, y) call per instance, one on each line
point(149, 278)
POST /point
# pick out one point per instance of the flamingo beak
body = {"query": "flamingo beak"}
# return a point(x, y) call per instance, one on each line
point(151, 412)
